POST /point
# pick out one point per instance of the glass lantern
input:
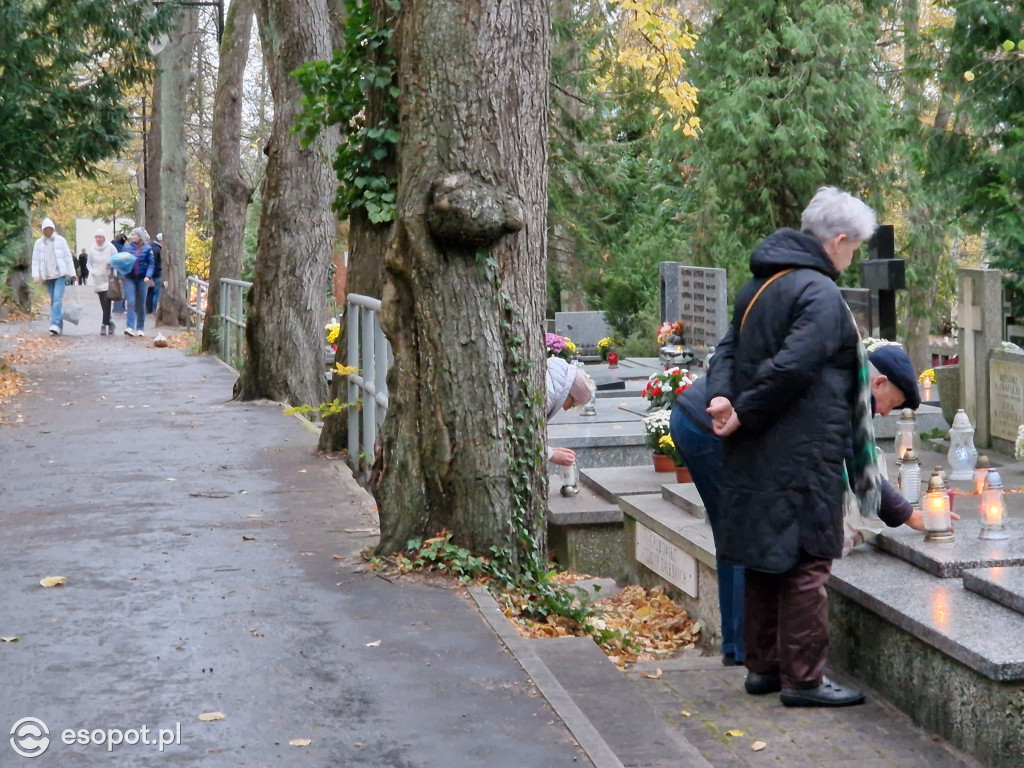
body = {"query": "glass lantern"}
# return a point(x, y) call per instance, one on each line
point(938, 517)
point(909, 480)
point(979, 474)
point(570, 480)
point(906, 434)
point(992, 507)
point(962, 454)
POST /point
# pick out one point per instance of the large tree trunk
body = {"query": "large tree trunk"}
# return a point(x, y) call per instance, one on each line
point(465, 277)
point(288, 301)
point(176, 79)
point(148, 214)
point(231, 193)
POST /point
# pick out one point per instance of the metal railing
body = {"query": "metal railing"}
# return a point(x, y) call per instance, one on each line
point(370, 354)
point(231, 313)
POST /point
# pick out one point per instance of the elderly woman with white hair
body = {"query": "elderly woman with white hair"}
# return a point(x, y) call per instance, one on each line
point(137, 281)
point(789, 395)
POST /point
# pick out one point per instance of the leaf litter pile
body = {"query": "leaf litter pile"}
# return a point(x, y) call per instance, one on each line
point(29, 351)
point(649, 625)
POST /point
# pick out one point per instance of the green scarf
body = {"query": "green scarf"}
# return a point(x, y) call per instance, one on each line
point(863, 468)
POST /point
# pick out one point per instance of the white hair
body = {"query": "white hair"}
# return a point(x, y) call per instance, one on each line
point(833, 212)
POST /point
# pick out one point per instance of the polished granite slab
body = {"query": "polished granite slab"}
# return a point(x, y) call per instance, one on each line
point(1004, 585)
point(685, 496)
point(974, 630)
point(585, 508)
point(624, 408)
point(948, 560)
point(613, 482)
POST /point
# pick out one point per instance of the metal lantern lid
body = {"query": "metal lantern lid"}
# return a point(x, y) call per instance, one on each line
point(909, 457)
point(907, 414)
point(993, 482)
point(983, 462)
point(935, 482)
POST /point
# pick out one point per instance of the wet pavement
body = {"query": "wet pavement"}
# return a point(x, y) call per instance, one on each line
point(212, 565)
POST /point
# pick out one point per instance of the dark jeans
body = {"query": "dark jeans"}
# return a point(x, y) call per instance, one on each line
point(105, 306)
point(702, 453)
point(787, 622)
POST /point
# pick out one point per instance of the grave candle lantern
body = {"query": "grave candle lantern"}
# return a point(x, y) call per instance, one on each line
point(962, 454)
point(613, 359)
point(938, 519)
point(979, 474)
point(992, 507)
point(570, 480)
point(910, 478)
point(906, 434)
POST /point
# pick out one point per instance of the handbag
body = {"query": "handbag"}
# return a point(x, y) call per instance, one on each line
point(115, 290)
point(72, 312)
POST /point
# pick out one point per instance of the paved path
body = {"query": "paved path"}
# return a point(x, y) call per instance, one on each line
point(212, 566)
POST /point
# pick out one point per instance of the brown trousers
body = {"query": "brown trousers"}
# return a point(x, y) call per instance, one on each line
point(785, 624)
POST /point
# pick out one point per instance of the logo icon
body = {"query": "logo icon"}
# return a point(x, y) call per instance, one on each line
point(30, 737)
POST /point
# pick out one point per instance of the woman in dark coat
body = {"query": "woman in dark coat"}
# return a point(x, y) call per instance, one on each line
point(783, 394)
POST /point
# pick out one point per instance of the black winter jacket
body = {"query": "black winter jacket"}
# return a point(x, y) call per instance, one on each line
point(791, 375)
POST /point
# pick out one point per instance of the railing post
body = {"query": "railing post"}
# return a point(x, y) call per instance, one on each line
point(225, 295)
point(380, 373)
point(369, 416)
point(352, 319)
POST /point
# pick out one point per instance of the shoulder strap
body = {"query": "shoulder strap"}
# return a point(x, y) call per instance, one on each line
point(760, 290)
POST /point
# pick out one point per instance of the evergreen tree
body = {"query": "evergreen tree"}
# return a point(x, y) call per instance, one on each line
point(789, 103)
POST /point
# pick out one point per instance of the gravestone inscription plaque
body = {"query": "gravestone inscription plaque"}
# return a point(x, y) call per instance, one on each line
point(1006, 394)
point(703, 305)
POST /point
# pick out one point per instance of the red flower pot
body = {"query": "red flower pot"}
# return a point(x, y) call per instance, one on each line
point(662, 463)
point(683, 475)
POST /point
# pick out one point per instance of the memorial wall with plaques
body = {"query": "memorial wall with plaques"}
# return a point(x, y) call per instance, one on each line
point(1006, 394)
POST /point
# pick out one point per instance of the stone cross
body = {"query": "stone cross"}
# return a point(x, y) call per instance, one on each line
point(980, 315)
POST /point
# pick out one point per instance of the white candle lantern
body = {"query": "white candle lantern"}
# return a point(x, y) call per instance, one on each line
point(938, 518)
point(910, 478)
point(906, 434)
point(992, 507)
point(962, 454)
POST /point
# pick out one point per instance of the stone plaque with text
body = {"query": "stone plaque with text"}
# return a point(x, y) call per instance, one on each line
point(1006, 390)
point(666, 559)
point(703, 305)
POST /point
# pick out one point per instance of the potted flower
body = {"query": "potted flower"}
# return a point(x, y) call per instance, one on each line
point(656, 428)
point(662, 388)
point(559, 346)
point(667, 447)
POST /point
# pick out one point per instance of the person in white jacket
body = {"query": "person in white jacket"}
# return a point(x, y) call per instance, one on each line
point(98, 256)
point(567, 387)
point(52, 263)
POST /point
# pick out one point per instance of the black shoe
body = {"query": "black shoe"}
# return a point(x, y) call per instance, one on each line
point(729, 660)
point(828, 694)
point(758, 685)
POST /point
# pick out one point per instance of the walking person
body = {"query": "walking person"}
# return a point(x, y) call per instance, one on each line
point(83, 267)
point(98, 257)
point(53, 264)
point(137, 282)
point(153, 297)
point(789, 391)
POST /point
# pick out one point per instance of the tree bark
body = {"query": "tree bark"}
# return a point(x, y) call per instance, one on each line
point(176, 79)
point(287, 305)
point(463, 304)
point(231, 193)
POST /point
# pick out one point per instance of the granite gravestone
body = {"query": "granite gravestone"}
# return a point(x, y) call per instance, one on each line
point(980, 315)
point(703, 305)
point(584, 328)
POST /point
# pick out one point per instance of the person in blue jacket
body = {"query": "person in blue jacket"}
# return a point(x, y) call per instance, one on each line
point(137, 282)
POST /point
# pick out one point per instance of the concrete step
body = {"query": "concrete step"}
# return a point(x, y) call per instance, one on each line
point(1004, 585)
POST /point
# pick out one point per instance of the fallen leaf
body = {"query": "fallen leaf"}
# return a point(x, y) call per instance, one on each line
point(52, 581)
point(248, 538)
point(757, 746)
point(300, 742)
point(209, 717)
point(11, 639)
point(374, 644)
point(684, 713)
point(337, 557)
point(734, 733)
point(655, 675)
